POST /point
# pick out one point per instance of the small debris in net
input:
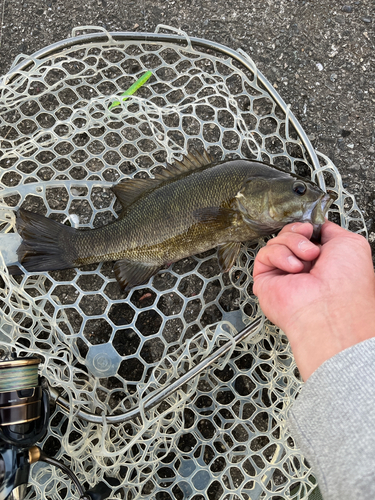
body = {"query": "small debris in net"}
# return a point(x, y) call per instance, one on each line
point(131, 90)
point(145, 296)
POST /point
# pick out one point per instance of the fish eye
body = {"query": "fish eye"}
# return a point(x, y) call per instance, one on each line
point(299, 188)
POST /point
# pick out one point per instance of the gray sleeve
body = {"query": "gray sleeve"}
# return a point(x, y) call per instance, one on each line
point(333, 422)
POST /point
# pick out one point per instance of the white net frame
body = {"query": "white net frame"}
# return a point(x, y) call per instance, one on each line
point(224, 434)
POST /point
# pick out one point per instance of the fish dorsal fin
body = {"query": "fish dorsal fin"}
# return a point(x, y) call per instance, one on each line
point(192, 161)
point(128, 191)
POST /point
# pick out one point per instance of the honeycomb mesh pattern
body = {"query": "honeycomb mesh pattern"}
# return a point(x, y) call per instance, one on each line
point(223, 435)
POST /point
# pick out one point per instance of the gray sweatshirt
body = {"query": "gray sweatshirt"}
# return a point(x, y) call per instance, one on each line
point(333, 422)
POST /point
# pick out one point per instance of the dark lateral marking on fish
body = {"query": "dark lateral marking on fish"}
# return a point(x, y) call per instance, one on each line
point(215, 215)
point(190, 207)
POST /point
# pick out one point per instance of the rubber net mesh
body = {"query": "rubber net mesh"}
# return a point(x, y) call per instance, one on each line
point(224, 434)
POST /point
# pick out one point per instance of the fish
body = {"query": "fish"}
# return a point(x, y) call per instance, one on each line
point(193, 205)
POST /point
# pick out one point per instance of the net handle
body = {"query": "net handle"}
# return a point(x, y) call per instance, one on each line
point(156, 399)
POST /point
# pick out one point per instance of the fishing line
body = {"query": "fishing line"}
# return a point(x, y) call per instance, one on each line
point(18, 374)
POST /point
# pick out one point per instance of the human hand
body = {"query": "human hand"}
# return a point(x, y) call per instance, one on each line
point(321, 296)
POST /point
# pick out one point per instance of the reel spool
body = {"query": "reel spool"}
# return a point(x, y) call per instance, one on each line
point(20, 394)
point(24, 418)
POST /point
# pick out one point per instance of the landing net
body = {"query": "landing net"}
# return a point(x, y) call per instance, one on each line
point(224, 434)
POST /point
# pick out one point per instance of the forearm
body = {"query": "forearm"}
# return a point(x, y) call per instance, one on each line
point(333, 422)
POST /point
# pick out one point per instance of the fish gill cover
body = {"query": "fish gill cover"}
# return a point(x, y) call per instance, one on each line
point(223, 435)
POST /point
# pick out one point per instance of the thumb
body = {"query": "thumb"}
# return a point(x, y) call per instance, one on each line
point(331, 230)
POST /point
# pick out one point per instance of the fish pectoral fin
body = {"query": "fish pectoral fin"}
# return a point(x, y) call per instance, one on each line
point(227, 255)
point(216, 215)
point(130, 273)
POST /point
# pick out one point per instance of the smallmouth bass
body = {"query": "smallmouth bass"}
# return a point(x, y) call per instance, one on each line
point(192, 206)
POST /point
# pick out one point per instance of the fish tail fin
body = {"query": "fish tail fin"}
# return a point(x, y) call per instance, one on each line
point(47, 245)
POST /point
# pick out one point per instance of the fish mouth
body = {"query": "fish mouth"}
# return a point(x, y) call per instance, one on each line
point(319, 212)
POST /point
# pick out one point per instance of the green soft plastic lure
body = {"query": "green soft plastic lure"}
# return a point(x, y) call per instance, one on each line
point(131, 90)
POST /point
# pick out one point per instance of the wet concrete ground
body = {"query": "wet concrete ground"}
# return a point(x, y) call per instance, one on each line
point(319, 55)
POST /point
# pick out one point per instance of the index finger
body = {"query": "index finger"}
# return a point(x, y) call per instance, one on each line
point(276, 258)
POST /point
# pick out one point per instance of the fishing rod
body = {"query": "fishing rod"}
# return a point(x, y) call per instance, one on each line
point(25, 399)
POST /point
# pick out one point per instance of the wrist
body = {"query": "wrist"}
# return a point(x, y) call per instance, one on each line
point(314, 343)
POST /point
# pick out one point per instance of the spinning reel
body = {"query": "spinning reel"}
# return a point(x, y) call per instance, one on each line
point(24, 418)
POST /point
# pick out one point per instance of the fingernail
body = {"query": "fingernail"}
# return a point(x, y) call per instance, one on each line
point(305, 245)
point(293, 261)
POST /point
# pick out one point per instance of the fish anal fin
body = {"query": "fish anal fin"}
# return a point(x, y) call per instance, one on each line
point(227, 255)
point(130, 273)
